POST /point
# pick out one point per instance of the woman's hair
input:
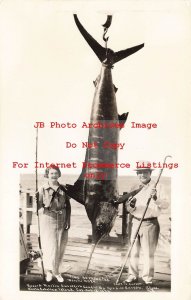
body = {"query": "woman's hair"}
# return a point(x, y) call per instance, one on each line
point(52, 167)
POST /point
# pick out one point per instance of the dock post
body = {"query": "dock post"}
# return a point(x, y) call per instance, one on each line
point(27, 212)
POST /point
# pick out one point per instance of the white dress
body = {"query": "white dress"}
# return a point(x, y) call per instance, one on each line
point(54, 237)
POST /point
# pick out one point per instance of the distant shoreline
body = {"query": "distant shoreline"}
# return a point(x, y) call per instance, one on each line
point(27, 182)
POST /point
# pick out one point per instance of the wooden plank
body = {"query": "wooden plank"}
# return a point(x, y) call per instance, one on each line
point(99, 246)
point(159, 268)
point(108, 247)
point(76, 258)
point(113, 250)
point(111, 260)
point(77, 240)
point(99, 257)
point(106, 255)
point(104, 260)
point(162, 276)
point(84, 240)
point(110, 252)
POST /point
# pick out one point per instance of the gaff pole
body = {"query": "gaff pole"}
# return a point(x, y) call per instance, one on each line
point(37, 199)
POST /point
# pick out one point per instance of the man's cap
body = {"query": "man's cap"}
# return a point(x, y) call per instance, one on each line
point(143, 165)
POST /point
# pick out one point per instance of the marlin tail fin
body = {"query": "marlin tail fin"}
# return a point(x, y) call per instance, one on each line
point(101, 52)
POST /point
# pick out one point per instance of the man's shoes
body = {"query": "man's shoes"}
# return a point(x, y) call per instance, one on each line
point(49, 276)
point(131, 278)
point(148, 282)
point(59, 278)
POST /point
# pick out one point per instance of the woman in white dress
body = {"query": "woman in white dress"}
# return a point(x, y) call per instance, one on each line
point(55, 215)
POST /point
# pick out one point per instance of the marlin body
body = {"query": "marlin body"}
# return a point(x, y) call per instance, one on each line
point(96, 187)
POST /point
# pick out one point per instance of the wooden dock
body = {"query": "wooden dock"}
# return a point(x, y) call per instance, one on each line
point(106, 261)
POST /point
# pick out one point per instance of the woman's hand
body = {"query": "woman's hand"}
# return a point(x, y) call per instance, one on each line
point(154, 193)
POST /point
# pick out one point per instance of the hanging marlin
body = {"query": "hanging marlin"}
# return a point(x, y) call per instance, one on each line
point(96, 188)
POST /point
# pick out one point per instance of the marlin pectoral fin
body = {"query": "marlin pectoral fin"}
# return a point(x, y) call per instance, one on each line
point(96, 47)
point(124, 53)
point(75, 192)
point(123, 118)
point(115, 88)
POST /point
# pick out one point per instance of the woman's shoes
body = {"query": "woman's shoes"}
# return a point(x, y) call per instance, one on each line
point(59, 278)
point(49, 276)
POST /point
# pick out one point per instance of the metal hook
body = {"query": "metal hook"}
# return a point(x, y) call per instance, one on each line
point(106, 25)
point(105, 38)
point(167, 157)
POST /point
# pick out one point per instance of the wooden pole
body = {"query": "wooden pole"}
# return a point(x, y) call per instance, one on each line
point(37, 198)
point(124, 223)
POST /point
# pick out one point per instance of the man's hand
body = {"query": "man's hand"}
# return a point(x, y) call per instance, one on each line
point(131, 204)
point(121, 199)
point(114, 200)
